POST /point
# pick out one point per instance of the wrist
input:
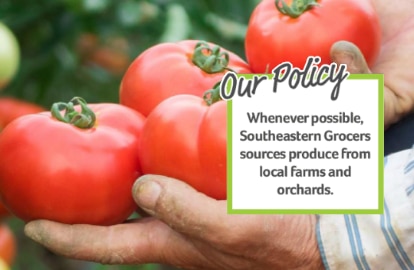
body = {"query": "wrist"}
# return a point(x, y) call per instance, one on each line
point(299, 248)
point(312, 254)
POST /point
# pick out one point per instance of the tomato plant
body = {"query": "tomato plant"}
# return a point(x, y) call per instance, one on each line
point(185, 138)
point(278, 32)
point(9, 55)
point(167, 69)
point(76, 164)
point(8, 245)
point(12, 108)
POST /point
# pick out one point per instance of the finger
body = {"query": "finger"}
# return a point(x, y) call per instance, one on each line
point(344, 52)
point(146, 240)
point(190, 212)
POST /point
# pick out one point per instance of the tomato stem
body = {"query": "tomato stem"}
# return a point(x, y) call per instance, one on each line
point(297, 7)
point(210, 59)
point(212, 96)
point(84, 119)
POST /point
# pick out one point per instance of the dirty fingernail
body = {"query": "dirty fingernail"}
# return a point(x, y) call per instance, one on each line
point(146, 193)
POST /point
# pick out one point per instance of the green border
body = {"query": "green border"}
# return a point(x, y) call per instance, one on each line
point(379, 210)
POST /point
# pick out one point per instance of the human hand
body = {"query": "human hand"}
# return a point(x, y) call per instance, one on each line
point(189, 230)
point(395, 61)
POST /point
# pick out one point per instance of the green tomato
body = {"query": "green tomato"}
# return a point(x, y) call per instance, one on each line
point(9, 55)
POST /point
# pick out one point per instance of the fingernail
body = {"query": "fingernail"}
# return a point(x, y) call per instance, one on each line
point(146, 194)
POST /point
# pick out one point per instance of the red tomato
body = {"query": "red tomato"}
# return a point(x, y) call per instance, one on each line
point(12, 108)
point(4, 213)
point(72, 174)
point(167, 69)
point(7, 244)
point(273, 37)
point(186, 139)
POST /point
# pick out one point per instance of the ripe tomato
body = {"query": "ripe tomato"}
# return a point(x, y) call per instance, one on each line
point(4, 213)
point(9, 55)
point(73, 168)
point(8, 245)
point(274, 37)
point(167, 69)
point(194, 149)
point(12, 108)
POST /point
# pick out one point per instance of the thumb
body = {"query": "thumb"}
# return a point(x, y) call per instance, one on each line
point(181, 207)
point(344, 52)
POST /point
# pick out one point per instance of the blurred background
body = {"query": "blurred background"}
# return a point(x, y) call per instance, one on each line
point(82, 48)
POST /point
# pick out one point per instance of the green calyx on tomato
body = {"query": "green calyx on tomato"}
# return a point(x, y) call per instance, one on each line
point(84, 119)
point(297, 8)
point(210, 59)
point(167, 69)
point(273, 38)
point(52, 169)
point(212, 96)
point(195, 150)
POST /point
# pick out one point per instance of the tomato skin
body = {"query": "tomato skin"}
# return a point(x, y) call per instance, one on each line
point(213, 150)
point(4, 213)
point(8, 245)
point(165, 70)
point(53, 170)
point(12, 108)
point(273, 38)
point(185, 139)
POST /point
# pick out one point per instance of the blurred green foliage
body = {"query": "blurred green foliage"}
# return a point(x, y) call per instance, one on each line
point(82, 47)
point(58, 40)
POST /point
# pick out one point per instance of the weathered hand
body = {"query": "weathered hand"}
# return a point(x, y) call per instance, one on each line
point(188, 230)
point(395, 61)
